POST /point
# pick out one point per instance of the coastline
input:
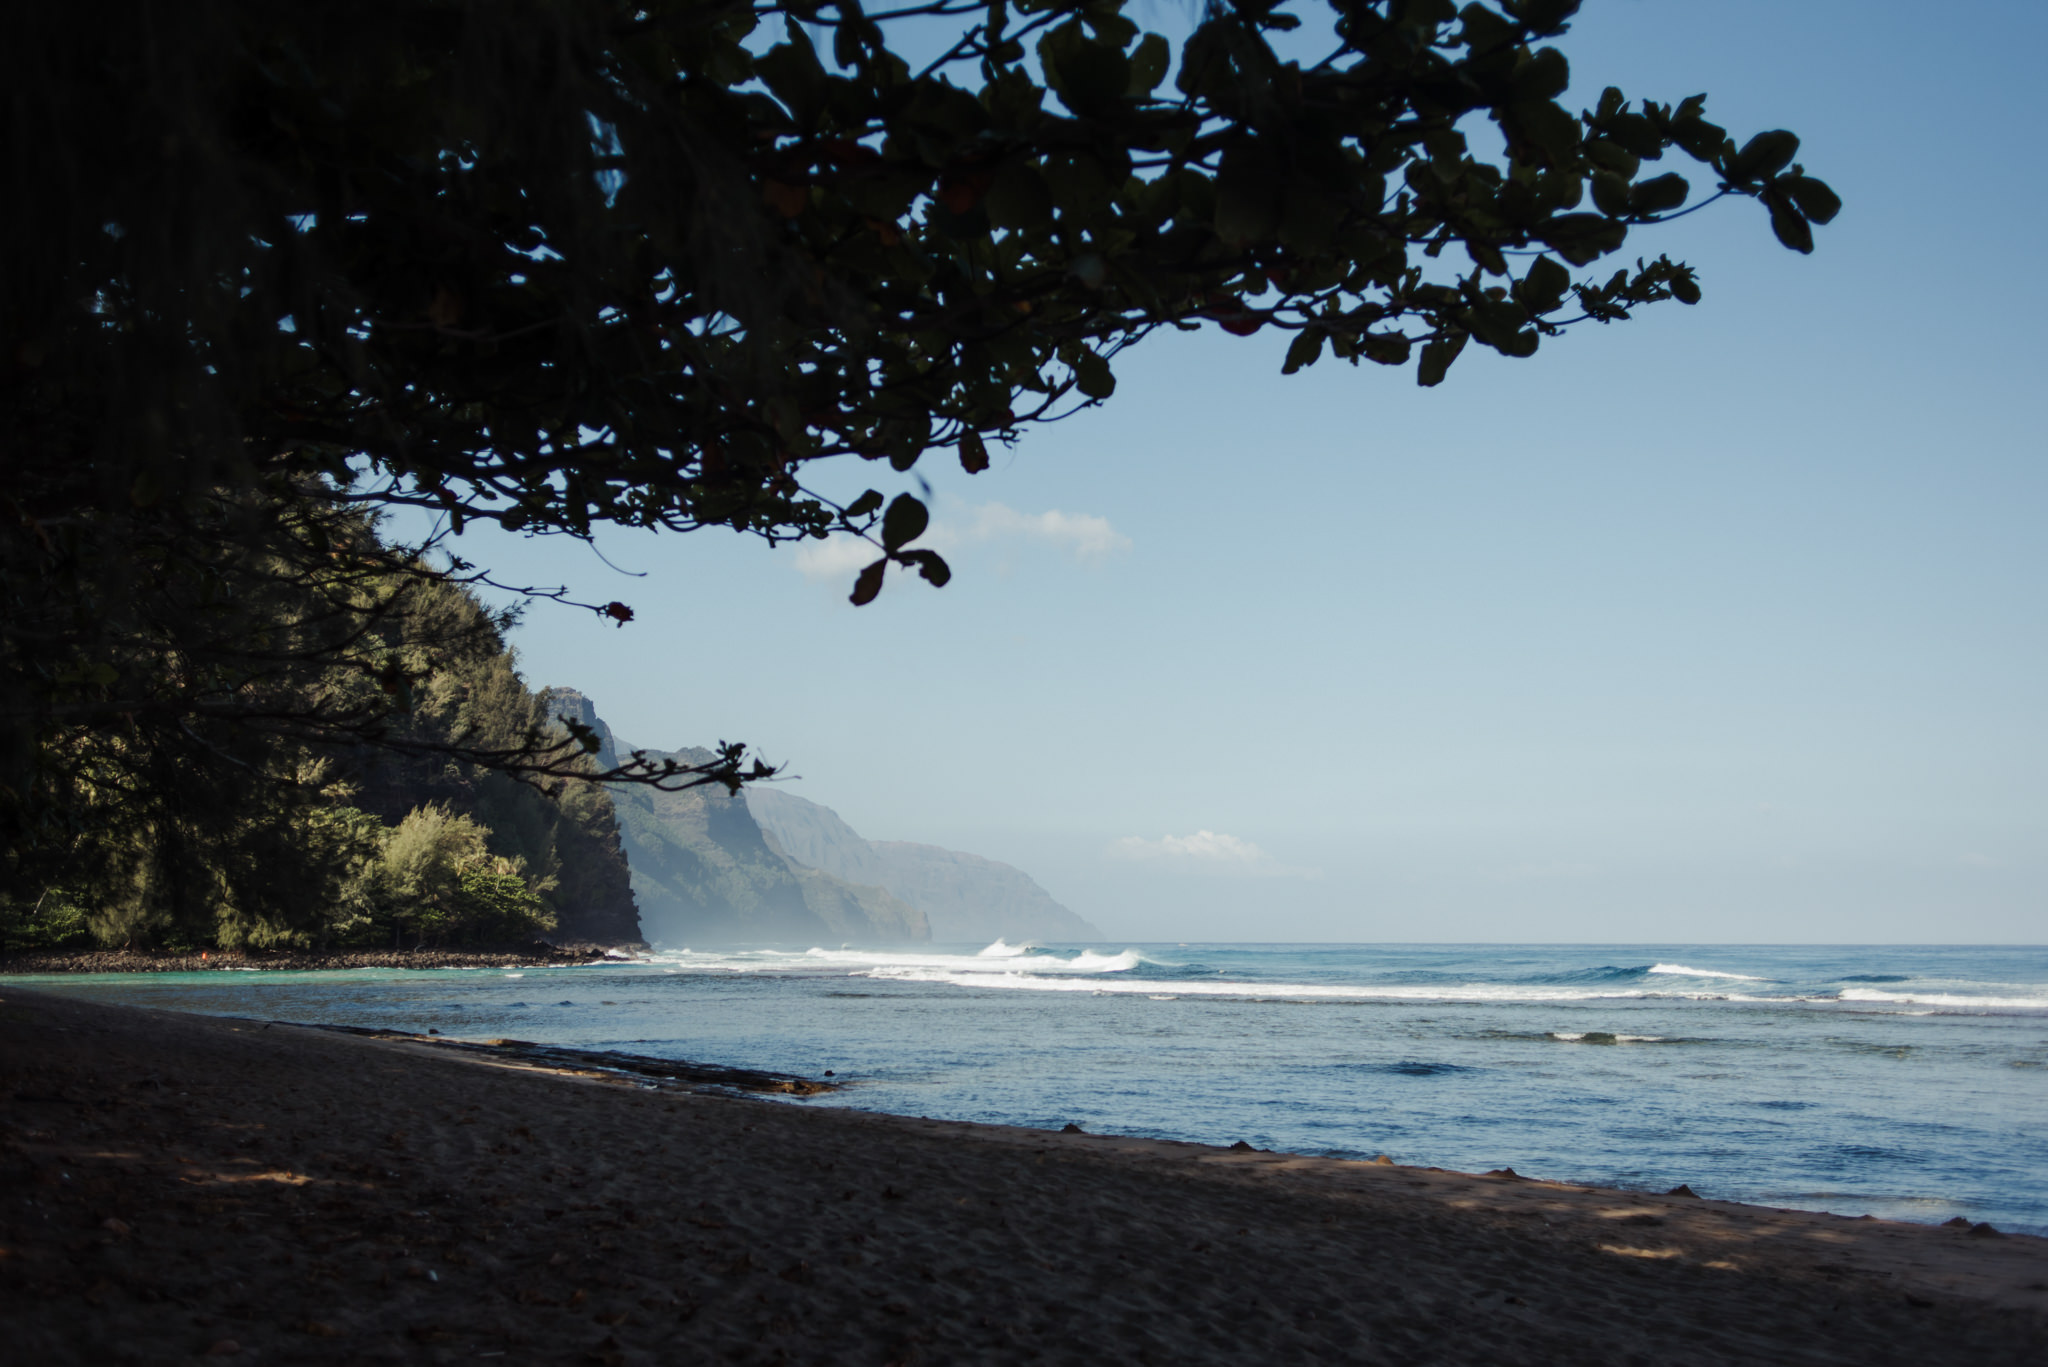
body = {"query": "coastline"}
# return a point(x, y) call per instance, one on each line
point(538, 955)
point(179, 1186)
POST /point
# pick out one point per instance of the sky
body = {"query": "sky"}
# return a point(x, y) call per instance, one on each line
point(1721, 625)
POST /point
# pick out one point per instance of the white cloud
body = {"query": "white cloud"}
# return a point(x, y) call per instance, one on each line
point(1208, 852)
point(1209, 846)
point(1203, 845)
point(1088, 538)
point(836, 557)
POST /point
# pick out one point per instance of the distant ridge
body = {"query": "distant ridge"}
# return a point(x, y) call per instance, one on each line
point(964, 897)
point(703, 871)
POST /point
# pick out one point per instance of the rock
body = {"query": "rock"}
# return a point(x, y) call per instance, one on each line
point(1241, 1147)
point(1960, 1222)
point(1985, 1231)
point(1384, 1161)
point(1510, 1172)
point(1683, 1190)
point(1071, 1128)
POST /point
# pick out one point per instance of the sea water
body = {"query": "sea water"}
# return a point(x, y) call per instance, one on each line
point(1908, 1082)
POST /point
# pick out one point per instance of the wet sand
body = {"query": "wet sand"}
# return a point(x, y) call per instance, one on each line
point(177, 1188)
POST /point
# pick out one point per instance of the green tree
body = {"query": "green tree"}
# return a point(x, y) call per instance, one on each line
point(435, 880)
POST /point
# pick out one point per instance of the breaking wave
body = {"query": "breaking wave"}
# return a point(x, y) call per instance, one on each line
point(1681, 971)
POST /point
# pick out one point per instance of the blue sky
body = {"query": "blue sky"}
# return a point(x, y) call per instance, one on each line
point(1722, 624)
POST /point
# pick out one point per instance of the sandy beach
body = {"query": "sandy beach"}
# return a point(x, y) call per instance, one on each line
point(178, 1188)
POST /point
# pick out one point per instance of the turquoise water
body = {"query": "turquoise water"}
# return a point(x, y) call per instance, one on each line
point(1904, 1081)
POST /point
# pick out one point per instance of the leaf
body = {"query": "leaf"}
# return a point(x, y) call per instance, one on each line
point(1635, 133)
point(868, 583)
point(931, 565)
point(1304, 350)
point(1554, 132)
point(1763, 156)
point(1612, 156)
point(1436, 359)
point(1813, 197)
point(1791, 228)
point(1610, 194)
point(1701, 140)
point(1149, 64)
point(973, 454)
point(1091, 77)
point(1583, 238)
point(904, 522)
point(865, 504)
point(1092, 375)
point(1542, 16)
point(1385, 348)
point(1543, 76)
point(793, 73)
point(1658, 196)
point(1544, 286)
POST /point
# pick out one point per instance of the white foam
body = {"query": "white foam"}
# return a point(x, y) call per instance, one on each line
point(1574, 1036)
point(1473, 992)
point(1018, 959)
point(1948, 1000)
point(1681, 971)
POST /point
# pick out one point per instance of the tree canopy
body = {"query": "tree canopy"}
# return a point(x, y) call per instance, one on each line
point(559, 264)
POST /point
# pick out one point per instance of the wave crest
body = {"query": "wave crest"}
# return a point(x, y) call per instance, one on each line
point(1681, 971)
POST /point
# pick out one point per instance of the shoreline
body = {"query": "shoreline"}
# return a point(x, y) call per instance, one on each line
point(536, 955)
point(179, 1185)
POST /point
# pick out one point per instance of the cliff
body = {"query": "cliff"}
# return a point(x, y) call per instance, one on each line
point(703, 871)
point(965, 897)
point(568, 704)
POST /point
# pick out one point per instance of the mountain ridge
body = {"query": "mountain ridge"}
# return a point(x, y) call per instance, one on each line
point(964, 897)
point(702, 869)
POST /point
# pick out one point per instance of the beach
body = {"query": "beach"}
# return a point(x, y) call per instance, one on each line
point(182, 1187)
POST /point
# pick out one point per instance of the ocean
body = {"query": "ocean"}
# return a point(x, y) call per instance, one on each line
point(1907, 1082)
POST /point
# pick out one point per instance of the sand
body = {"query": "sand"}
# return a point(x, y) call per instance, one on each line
point(175, 1187)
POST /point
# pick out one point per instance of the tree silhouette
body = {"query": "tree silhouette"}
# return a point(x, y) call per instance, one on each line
point(559, 264)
